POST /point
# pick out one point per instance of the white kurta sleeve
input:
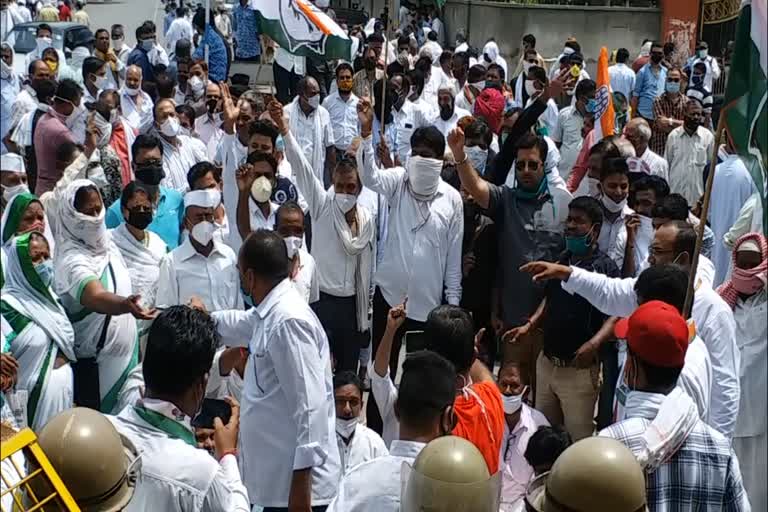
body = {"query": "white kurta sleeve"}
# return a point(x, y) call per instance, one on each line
point(299, 370)
point(612, 296)
point(227, 492)
point(235, 326)
point(453, 273)
point(308, 184)
point(167, 287)
point(383, 181)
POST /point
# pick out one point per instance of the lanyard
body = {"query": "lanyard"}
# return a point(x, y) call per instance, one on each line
point(167, 425)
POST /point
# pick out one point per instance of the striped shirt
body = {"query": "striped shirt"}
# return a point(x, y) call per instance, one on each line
point(702, 95)
point(703, 474)
point(666, 105)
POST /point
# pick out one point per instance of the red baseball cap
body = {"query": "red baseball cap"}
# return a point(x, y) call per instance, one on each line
point(656, 333)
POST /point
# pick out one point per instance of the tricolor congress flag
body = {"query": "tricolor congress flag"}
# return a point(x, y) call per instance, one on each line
point(745, 109)
point(605, 117)
point(302, 29)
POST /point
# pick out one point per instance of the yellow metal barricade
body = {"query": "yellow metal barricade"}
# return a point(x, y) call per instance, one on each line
point(35, 487)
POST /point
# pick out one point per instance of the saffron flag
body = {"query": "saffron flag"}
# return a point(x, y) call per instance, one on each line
point(744, 108)
point(302, 29)
point(605, 116)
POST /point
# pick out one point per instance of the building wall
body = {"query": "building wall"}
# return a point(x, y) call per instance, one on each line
point(593, 27)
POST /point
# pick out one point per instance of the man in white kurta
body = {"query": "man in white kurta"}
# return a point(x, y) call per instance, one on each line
point(732, 187)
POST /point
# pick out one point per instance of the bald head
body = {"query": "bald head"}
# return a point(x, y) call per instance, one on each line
point(133, 77)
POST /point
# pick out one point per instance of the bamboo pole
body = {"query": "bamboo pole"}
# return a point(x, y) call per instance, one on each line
point(384, 81)
point(704, 213)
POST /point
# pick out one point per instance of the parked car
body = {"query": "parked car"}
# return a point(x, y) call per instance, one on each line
point(66, 36)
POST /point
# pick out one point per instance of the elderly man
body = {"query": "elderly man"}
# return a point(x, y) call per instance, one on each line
point(180, 152)
point(638, 133)
point(136, 105)
point(448, 114)
point(208, 126)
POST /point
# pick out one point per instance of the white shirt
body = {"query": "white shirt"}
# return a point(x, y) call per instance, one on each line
point(422, 254)
point(687, 155)
point(732, 187)
point(288, 417)
point(290, 62)
point(210, 133)
point(258, 220)
point(622, 79)
point(375, 486)
point(413, 115)
point(343, 118)
point(185, 273)
point(25, 102)
point(714, 324)
point(305, 281)
point(385, 393)
point(695, 379)
point(175, 476)
point(303, 129)
point(179, 159)
point(180, 28)
point(445, 126)
point(233, 153)
point(568, 134)
point(139, 117)
point(613, 236)
point(516, 472)
point(656, 163)
point(751, 334)
point(365, 445)
point(336, 268)
point(713, 69)
point(221, 386)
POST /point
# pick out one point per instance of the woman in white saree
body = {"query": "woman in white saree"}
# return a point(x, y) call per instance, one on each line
point(142, 250)
point(43, 339)
point(94, 285)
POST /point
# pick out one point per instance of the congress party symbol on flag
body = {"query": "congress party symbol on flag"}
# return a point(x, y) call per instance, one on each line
point(302, 29)
point(745, 110)
point(605, 117)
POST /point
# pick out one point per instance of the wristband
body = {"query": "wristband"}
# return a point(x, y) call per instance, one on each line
point(463, 161)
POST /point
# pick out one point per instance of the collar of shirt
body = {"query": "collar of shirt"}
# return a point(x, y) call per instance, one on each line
point(187, 250)
point(168, 410)
point(524, 424)
point(408, 449)
point(696, 134)
point(273, 297)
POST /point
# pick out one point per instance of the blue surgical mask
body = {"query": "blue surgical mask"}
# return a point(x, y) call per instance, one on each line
point(44, 270)
point(579, 245)
point(147, 44)
point(591, 105)
point(673, 87)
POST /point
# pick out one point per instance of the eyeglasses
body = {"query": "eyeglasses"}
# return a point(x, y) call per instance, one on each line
point(527, 165)
point(149, 163)
point(673, 80)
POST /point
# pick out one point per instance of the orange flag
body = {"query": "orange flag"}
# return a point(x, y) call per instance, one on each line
point(605, 117)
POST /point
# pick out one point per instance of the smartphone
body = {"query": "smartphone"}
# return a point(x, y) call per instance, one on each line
point(212, 408)
point(414, 341)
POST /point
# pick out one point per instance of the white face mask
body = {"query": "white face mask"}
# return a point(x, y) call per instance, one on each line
point(203, 232)
point(314, 101)
point(197, 86)
point(5, 70)
point(611, 205)
point(292, 245)
point(530, 88)
point(261, 190)
point(171, 127)
point(512, 403)
point(91, 231)
point(477, 156)
point(345, 202)
point(105, 129)
point(43, 43)
point(130, 91)
point(9, 192)
point(345, 428)
point(424, 175)
point(117, 44)
point(478, 85)
point(101, 82)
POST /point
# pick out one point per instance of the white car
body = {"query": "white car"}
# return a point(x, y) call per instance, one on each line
point(23, 38)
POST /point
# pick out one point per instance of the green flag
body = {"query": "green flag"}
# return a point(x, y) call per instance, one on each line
point(746, 116)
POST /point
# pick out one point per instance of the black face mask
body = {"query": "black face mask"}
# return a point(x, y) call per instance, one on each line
point(139, 220)
point(150, 175)
point(446, 111)
point(212, 105)
point(656, 58)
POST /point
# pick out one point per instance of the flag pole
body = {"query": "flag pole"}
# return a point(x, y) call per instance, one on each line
point(704, 213)
point(384, 80)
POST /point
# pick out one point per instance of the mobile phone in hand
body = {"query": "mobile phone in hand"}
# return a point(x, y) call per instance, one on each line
point(212, 408)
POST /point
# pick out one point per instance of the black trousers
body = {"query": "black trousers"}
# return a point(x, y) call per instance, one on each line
point(339, 318)
point(285, 83)
point(378, 325)
point(609, 358)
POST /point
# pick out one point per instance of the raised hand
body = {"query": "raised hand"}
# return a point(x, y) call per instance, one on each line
point(244, 177)
point(396, 317)
point(456, 143)
point(365, 116)
point(279, 117)
point(229, 109)
point(512, 335)
point(544, 271)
